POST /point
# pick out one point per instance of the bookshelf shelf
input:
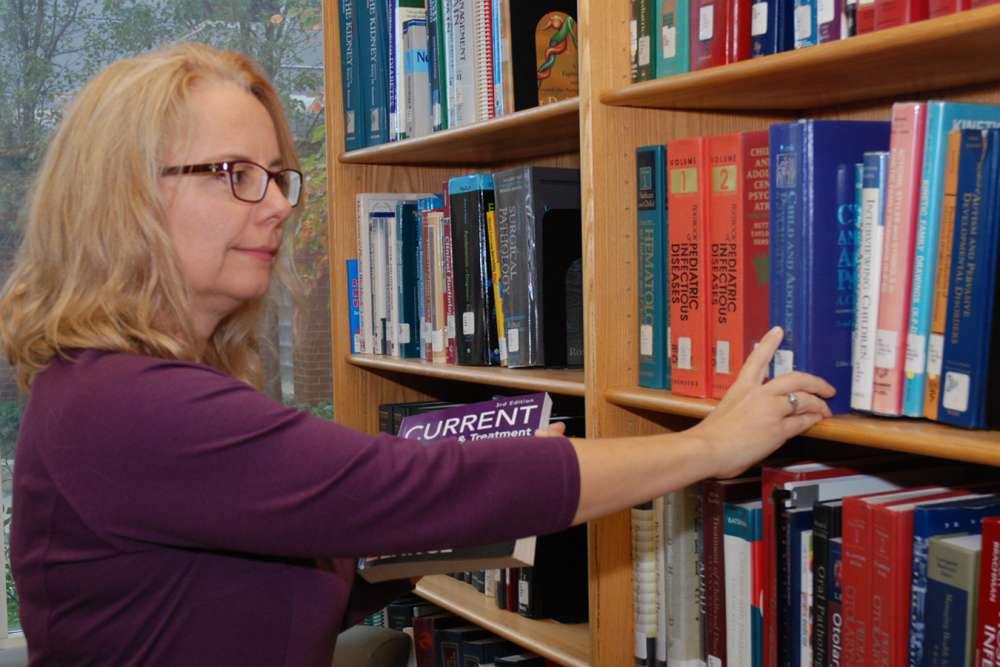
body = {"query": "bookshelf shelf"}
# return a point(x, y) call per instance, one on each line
point(568, 382)
point(931, 55)
point(552, 129)
point(903, 435)
point(566, 644)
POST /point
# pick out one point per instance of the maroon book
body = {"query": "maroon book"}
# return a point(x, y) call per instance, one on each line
point(709, 21)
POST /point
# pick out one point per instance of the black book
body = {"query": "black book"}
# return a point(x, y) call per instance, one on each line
point(556, 586)
point(826, 527)
point(538, 226)
point(524, 18)
point(449, 643)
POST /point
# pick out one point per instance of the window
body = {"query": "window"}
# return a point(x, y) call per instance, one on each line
point(49, 50)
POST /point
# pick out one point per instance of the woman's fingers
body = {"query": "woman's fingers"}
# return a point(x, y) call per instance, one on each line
point(798, 423)
point(801, 403)
point(798, 381)
point(552, 430)
point(755, 367)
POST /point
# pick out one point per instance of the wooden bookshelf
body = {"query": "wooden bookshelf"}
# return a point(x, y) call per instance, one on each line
point(548, 130)
point(565, 644)
point(859, 78)
point(568, 382)
point(914, 436)
point(938, 54)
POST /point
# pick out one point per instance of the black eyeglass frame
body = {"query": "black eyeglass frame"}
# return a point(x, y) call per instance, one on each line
point(227, 168)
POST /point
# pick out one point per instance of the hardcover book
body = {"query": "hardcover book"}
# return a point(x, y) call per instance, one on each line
point(509, 417)
point(524, 22)
point(742, 556)
point(416, 74)
point(989, 595)
point(673, 30)
point(354, 305)
point(376, 61)
point(653, 292)
point(771, 27)
point(952, 598)
point(645, 58)
point(812, 259)
point(355, 131)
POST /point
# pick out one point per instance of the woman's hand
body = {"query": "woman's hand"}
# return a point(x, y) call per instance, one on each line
point(552, 430)
point(756, 417)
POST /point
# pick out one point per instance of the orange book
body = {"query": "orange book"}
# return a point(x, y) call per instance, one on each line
point(687, 201)
point(738, 235)
point(939, 309)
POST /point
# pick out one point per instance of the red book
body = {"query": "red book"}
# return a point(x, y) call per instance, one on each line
point(988, 617)
point(936, 8)
point(906, 158)
point(427, 324)
point(738, 232)
point(891, 13)
point(891, 569)
point(687, 201)
point(738, 37)
point(709, 21)
point(451, 344)
point(715, 493)
point(865, 19)
point(975, 4)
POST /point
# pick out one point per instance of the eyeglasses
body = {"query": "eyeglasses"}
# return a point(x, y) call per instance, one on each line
point(248, 180)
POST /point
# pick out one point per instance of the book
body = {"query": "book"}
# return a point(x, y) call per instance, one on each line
point(874, 180)
point(416, 74)
point(404, 11)
point(524, 21)
point(437, 51)
point(738, 237)
point(970, 374)
point(826, 620)
point(355, 132)
point(354, 305)
point(555, 586)
point(812, 241)
point(645, 58)
point(771, 27)
point(952, 598)
point(906, 150)
point(451, 642)
point(673, 30)
point(485, 83)
point(538, 225)
point(376, 63)
point(742, 558)
point(425, 630)
point(653, 290)
point(942, 118)
point(509, 417)
point(645, 583)
point(892, 13)
point(496, 280)
point(710, 20)
point(482, 652)
point(681, 534)
point(687, 201)
point(471, 197)
point(806, 28)
point(960, 517)
point(831, 20)
point(989, 595)
point(410, 276)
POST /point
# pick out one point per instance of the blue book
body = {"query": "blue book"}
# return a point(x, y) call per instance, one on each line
point(654, 312)
point(410, 273)
point(952, 600)
point(970, 374)
point(355, 131)
point(672, 28)
point(805, 24)
point(812, 223)
point(377, 72)
point(354, 305)
point(942, 118)
point(771, 27)
point(959, 517)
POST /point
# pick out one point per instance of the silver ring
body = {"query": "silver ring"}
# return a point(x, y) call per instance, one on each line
point(794, 400)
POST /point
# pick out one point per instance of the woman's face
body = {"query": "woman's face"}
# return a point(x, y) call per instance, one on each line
point(227, 247)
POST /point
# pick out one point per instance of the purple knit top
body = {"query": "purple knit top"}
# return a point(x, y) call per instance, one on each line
point(168, 514)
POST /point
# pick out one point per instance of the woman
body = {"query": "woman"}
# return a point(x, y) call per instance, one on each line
point(165, 511)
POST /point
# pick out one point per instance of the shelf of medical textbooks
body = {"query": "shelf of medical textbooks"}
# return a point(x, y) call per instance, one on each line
point(568, 382)
point(932, 55)
point(859, 78)
point(913, 436)
point(565, 644)
point(547, 130)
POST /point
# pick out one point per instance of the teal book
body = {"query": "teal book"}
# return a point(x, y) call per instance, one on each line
point(376, 65)
point(653, 292)
point(942, 118)
point(672, 25)
point(355, 131)
point(410, 283)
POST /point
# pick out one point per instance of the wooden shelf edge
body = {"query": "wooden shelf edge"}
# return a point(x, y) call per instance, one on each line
point(912, 436)
point(566, 644)
point(491, 141)
point(908, 59)
point(556, 381)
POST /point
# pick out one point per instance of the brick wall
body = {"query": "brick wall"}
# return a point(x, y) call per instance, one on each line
point(312, 333)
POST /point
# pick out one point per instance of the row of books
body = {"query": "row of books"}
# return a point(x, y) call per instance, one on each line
point(441, 639)
point(410, 67)
point(671, 37)
point(536, 577)
point(873, 244)
point(486, 273)
point(863, 562)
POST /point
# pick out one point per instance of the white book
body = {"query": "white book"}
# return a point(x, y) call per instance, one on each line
point(660, 519)
point(393, 279)
point(378, 221)
point(484, 59)
point(644, 578)
point(684, 636)
point(737, 558)
point(462, 77)
point(403, 14)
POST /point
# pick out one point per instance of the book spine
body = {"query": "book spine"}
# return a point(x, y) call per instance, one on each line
point(952, 575)
point(856, 583)
point(890, 605)
point(516, 231)
point(989, 596)
point(714, 528)
point(738, 43)
point(708, 33)
point(463, 94)
point(738, 564)
point(496, 282)
point(394, 282)
point(805, 23)
point(354, 305)
point(689, 278)
point(673, 26)
point(485, 100)
point(440, 64)
point(902, 206)
point(725, 329)
point(393, 60)
point(354, 130)
point(451, 349)
point(645, 44)
point(763, 29)
point(364, 275)
point(835, 616)
point(418, 86)
point(684, 645)
point(936, 8)
point(427, 304)
point(865, 21)
point(496, 26)
point(644, 577)
point(377, 73)
point(652, 279)
point(830, 19)
point(785, 148)
point(966, 365)
point(892, 13)
point(875, 171)
point(411, 261)
point(826, 526)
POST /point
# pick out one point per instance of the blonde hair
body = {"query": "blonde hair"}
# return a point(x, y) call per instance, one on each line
point(96, 268)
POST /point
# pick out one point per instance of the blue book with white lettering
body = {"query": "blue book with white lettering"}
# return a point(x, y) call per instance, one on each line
point(812, 242)
point(654, 312)
point(772, 28)
point(376, 61)
point(960, 517)
point(942, 118)
point(355, 132)
point(805, 24)
point(354, 305)
point(672, 28)
point(970, 374)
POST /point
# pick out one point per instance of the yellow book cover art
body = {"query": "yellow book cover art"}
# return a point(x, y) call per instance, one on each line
point(496, 275)
point(558, 69)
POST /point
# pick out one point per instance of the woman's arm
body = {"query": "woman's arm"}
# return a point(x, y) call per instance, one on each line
point(753, 420)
